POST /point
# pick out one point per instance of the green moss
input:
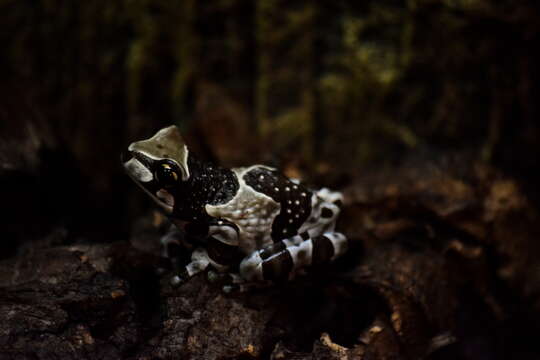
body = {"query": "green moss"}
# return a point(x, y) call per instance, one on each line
point(351, 81)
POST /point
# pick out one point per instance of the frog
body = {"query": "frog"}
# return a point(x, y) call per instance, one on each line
point(249, 225)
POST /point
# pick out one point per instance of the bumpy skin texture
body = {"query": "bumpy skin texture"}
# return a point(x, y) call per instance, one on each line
point(294, 199)
point(207, 185)
point(251, 224)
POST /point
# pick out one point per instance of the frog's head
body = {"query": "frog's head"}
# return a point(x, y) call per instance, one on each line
point(159, 165)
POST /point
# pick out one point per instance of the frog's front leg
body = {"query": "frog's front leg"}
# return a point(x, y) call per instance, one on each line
point(179, 238)
point(199, 263)
point(221, 252)
point(170, 248)
point(222, 245)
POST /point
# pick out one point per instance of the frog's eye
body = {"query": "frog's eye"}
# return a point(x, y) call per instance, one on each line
point(166, 175)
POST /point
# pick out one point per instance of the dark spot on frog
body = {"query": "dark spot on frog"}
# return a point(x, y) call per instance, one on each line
point(327, 213)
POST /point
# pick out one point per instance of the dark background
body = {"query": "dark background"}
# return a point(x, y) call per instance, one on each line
point(329, 91)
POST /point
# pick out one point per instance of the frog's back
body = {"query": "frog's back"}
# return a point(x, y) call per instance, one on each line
point(267, 208)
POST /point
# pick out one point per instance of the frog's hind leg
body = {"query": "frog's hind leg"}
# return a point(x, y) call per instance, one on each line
point(326, 207)
point(334, 197)
point(281, 260)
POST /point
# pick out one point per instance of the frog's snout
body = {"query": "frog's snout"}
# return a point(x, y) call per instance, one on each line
point(137, 166)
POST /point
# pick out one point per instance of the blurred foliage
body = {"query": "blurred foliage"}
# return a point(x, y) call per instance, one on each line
point(338, 85)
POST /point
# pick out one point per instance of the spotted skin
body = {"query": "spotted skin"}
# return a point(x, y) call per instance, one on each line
point(207, 185)
point(253, 224)
point(294, 199)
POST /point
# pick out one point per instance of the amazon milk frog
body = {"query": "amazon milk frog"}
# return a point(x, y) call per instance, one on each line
point(251, 224)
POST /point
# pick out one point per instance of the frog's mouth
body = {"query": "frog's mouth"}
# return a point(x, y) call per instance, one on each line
point(144, 178)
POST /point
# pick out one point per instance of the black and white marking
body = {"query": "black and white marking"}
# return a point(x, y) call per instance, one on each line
point(293, 198)
point(252, 223)
point(280, 261)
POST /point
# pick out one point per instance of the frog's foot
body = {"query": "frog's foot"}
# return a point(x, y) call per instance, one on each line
point(199, 263)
